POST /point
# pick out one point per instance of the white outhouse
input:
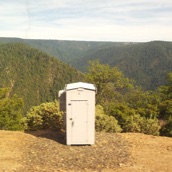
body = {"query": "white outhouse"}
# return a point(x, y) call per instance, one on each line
point(78, 101)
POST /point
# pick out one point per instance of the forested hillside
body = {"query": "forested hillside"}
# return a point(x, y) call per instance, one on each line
point(66, 51)
point(33, 75)
point(147, 63)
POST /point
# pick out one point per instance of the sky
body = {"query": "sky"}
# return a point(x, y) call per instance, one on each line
point(89, 20)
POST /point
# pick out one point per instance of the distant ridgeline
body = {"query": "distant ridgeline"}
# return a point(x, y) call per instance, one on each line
point(146, 63)
point(32, 74)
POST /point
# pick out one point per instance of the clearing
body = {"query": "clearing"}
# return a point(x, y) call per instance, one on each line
point(45, 151)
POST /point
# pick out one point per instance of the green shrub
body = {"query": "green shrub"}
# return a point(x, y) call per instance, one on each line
point(45, 116)
point(10, 111)
point(104, 122)
point(133, 123)
point(150, 126)
point(121, 112)
point(165, 109)
point(167, 129)
point(136, 123)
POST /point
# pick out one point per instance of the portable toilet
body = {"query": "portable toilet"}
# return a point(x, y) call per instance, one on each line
point(77, 100)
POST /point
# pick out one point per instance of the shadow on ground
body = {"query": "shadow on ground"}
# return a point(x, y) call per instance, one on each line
point(58, 136)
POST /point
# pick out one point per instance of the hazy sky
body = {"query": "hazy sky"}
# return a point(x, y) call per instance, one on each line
point(95, 20)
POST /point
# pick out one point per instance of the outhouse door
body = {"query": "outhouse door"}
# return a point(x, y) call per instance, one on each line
point(79, 121)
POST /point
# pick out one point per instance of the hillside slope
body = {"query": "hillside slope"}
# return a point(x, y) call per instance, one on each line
point(147, 63)
point(66, 51)
point(46, 151)
point(33, 75)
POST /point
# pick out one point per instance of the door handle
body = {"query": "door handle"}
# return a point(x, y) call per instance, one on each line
point(71, 118)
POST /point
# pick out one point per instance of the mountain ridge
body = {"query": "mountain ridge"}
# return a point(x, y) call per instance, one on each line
point(148, 63)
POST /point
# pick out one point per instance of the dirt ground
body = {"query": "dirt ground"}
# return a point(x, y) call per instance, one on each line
point(45, 151)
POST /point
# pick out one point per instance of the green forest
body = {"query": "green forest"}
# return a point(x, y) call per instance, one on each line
point(32, 74)
point(147, 63)
point(30, 80)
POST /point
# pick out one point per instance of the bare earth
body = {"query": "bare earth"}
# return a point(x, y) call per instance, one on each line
point(45, 151)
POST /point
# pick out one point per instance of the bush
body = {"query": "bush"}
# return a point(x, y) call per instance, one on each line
point(131, 121)
point(165, 109)
point(167, 129)
point(150, 126)
point(136, 123)
point(45, 116)
point(104, 122)
point(120, 111)
point(133, 124)
point(10, 111)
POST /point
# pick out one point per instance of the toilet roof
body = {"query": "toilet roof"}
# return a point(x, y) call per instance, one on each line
point(80, 85)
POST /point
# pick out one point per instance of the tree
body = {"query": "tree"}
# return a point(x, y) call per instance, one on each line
point(166, 90)
point(110, 82)
point(144, 102)
point(166, 130)
point(134, 109)
point(10, 111)
point(165, 107)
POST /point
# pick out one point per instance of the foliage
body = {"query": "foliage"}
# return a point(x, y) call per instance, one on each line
point(33, 75)
point(131, 121)
point(67, 51)
point(44, 116)
point(121, 111)
point(147, 63)
point(166, 90)
point(110, 82)
point(166, 130)
point(37, 78)
point(104, 122)
point(4, 93)
point(10, 111)
point(136, 123)
point(165, 107)
point(150, 126)
point(134, 109)
point(145, 103)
